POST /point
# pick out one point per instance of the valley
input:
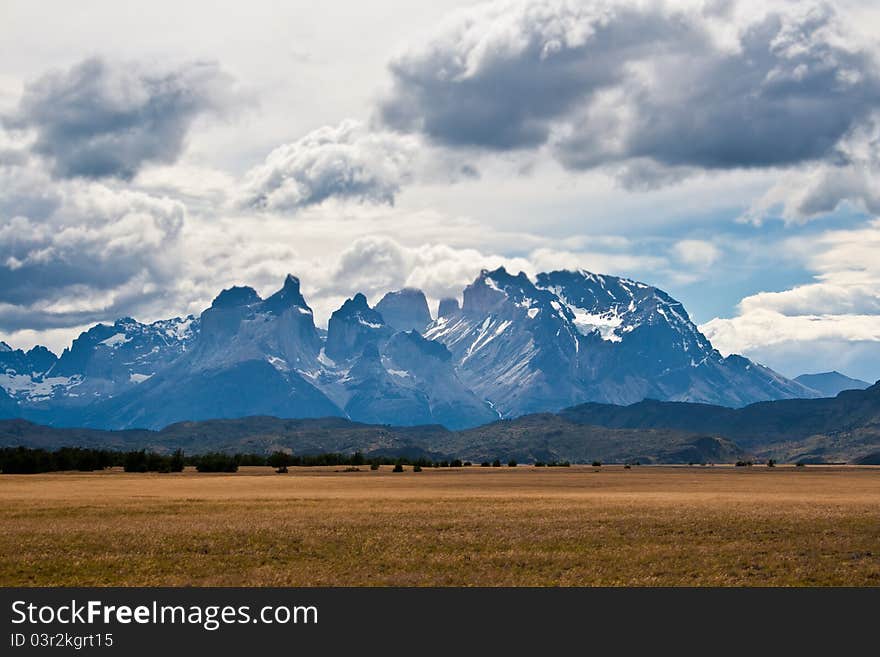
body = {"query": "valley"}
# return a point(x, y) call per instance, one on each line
point(524, 526)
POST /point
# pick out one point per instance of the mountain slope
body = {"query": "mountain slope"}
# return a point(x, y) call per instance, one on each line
point(234, 390)
point(8, 406)
point(640, 343)
point(576, 336)
point(513, 344)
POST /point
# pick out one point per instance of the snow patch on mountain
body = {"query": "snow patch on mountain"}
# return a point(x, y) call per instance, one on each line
point(115, 340)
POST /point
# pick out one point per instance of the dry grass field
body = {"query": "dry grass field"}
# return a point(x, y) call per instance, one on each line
point(472, 526)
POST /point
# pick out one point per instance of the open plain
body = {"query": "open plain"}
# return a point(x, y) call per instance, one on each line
point(521, 526)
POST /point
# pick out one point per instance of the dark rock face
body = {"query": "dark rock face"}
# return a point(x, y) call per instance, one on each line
point(514, 347)
point(236, 296)
point(8, 406)
point(354, 327)
point(35, 362)
point(405, 310)
point(448, 308)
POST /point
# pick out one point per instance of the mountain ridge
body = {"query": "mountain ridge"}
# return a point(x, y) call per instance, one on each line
point(513, 347)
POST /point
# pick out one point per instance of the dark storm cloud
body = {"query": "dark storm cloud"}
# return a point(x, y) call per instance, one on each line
point(608, 83)
point(77, 251)
point(102, 119)
point(498, 78)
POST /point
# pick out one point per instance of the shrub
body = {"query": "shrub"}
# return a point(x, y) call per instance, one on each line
point(144, 461)
point(176, 462)
point(467, 464)
point(511, 463)
point(456, 463)
point(135, 462)
point(540, 464)
point(799, 464)
point(417, 468)
point(771, 463)
point(496, 463)
point(374, 466)
point(743, 464)
point(597, 464)
point(398, 467)
point(484, 464)
point(216, 462)
point(279, 460)
point(627, 467)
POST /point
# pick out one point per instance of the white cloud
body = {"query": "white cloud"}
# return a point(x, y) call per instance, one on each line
point(345, 161)
point(762, 328)
point(698, 254)
point(841, 307)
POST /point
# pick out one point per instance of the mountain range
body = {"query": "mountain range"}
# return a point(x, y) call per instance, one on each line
point(514, 346)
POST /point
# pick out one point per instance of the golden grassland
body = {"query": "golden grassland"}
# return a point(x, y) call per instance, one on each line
point(521, 526)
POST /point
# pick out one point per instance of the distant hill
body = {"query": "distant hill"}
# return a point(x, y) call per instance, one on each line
point(840, 428)
point(541, 437)
point(829, 384)
point(551, 437)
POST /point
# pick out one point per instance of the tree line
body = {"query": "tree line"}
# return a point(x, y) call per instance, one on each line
point(26, 460)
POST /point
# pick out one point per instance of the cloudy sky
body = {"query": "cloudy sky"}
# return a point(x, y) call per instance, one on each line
point(727, 151)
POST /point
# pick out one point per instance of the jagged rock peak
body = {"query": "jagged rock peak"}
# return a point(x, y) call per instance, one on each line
point(491, 288)
point(501, 274)
point(288, 296)
point(236, 296)
point(357, 306)
point(405, 309)
point(448, 308)
point(4, 347)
